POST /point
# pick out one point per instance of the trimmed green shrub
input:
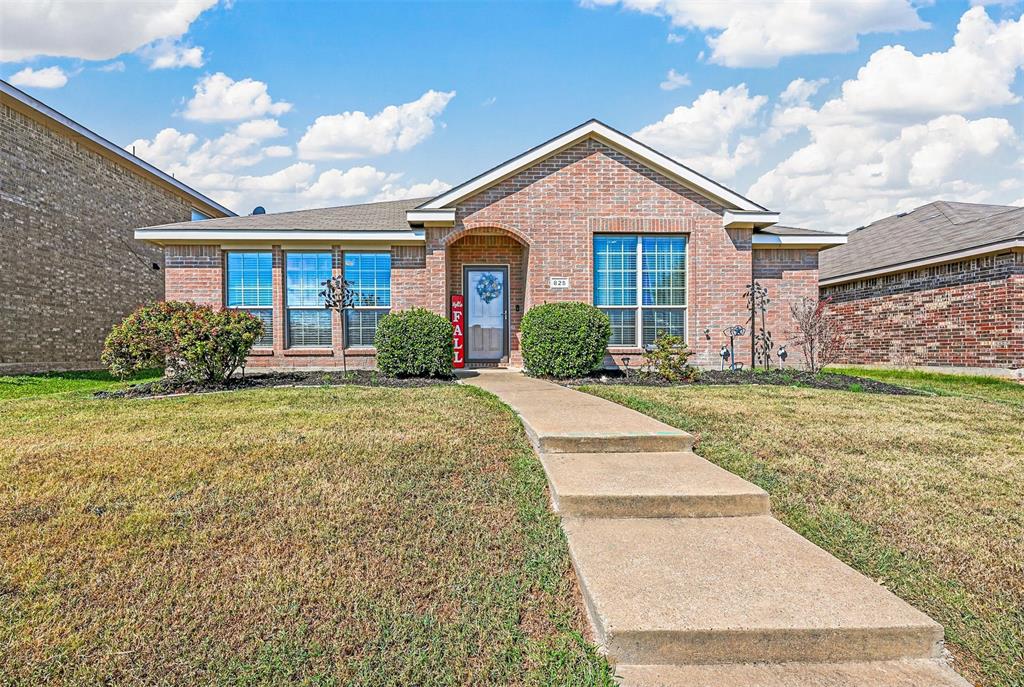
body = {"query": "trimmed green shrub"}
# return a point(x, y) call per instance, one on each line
point(564, 339)
point(669, 359)
point(414, 343)
point(194, 342)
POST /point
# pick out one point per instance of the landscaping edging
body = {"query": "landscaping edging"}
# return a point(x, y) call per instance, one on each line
point(368, 378)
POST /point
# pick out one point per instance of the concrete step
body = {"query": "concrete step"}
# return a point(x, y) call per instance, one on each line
point(905, 673)
point(648, 485)
point(561, 420)
point(734, 590)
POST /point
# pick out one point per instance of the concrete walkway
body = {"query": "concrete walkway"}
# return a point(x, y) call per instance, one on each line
point(687, 578)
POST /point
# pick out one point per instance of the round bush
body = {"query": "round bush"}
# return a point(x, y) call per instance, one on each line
point(564, 339)
point(414, 343)
point(194, 342)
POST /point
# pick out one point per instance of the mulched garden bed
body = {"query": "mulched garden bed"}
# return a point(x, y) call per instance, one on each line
point(791, 377)
point(172, 387)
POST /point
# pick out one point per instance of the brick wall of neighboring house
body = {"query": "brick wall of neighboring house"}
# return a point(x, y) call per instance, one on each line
point(963, 314)
point(789, 274)
point(69, 265)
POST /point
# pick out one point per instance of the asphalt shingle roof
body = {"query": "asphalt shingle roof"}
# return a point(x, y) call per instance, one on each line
point(930, 231)
point(383, 216)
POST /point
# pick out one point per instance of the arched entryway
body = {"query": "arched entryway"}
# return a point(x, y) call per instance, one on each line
point(488, 267)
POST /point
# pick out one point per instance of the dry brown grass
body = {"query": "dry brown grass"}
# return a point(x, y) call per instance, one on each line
point(292, 536)
point(925, 494)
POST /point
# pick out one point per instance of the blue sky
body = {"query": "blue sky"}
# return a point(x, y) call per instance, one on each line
point(833, 113)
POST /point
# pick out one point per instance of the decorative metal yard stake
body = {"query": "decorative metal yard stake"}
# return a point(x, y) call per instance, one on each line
point(782, 357)
point(339, 295)
point(761, 339)
point(732, 333)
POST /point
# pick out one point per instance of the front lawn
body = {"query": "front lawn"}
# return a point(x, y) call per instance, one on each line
point(976, 386)
point(20, 386)
point(316, 536)
point(924, 494)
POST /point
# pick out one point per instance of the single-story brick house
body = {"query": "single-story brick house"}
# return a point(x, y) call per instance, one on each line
point(591, 215)
point(941, 286)
point(70, 268)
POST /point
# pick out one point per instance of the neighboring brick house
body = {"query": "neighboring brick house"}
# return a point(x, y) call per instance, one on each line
point(591, 215)
point(941, 286)
point(69, 265)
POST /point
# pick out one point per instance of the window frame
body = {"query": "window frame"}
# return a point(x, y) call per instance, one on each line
point(288, 308)
point(639, 308)
point(250, 308)
point(386, 309)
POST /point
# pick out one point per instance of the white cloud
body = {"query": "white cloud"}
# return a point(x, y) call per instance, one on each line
point(422, 190)
point(260, 129)
point(355, 134)
point(674, 80)
point(344, 186)
point(976, 72)
point(91, 30)
point(277, 151)
point(112, 67)
point(48, 77)
point(702, 134)
point(799, 91)
point(851, 174)
point(758, 34)
point(170, 54)
point(219, 98)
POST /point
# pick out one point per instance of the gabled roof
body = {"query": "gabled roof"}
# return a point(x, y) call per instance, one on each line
point(368, 220)
point(937, 232)
point(616, 139)
point(37, 108)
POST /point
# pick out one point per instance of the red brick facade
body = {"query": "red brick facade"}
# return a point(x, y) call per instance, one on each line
point(963, 314)
point(541, 222)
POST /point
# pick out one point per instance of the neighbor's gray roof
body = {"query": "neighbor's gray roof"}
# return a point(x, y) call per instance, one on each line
point(931, 231)
point(383, 216)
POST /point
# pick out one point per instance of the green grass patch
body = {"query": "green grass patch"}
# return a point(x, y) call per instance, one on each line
point(317, 536)
point(967, 386)
point(21, 386)
point(921, 493)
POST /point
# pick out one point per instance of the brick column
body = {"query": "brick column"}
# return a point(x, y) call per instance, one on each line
point(278, 299)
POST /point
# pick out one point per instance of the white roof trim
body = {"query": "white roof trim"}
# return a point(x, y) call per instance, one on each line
point(749, 219)
point(1013, 244)
point(433, 217)
point(47, 111)
point(802, 241)
point(414, 235)
point(616, 139)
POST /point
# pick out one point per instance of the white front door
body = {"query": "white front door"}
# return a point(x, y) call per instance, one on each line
point(486, 293)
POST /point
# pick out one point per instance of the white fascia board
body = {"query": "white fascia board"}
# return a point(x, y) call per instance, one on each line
point(1014, 244)
point(615, 139)
point(228, 235)
point(806, 241)
point(437, 217)
point(749, 219)
point(47, 111)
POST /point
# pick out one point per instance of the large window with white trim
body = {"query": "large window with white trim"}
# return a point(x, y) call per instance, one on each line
point(250, 287)
point(369, 275)
point(640, 283)
point(308, 321)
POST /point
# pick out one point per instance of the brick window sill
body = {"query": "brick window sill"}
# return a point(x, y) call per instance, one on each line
point(308, 352)
point(626, 351)
point(260, 352)
point(364, 352)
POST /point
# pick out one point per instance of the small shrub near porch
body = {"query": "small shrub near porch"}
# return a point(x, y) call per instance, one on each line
point(195, 342)
point(414, 343)
point(564, 339)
